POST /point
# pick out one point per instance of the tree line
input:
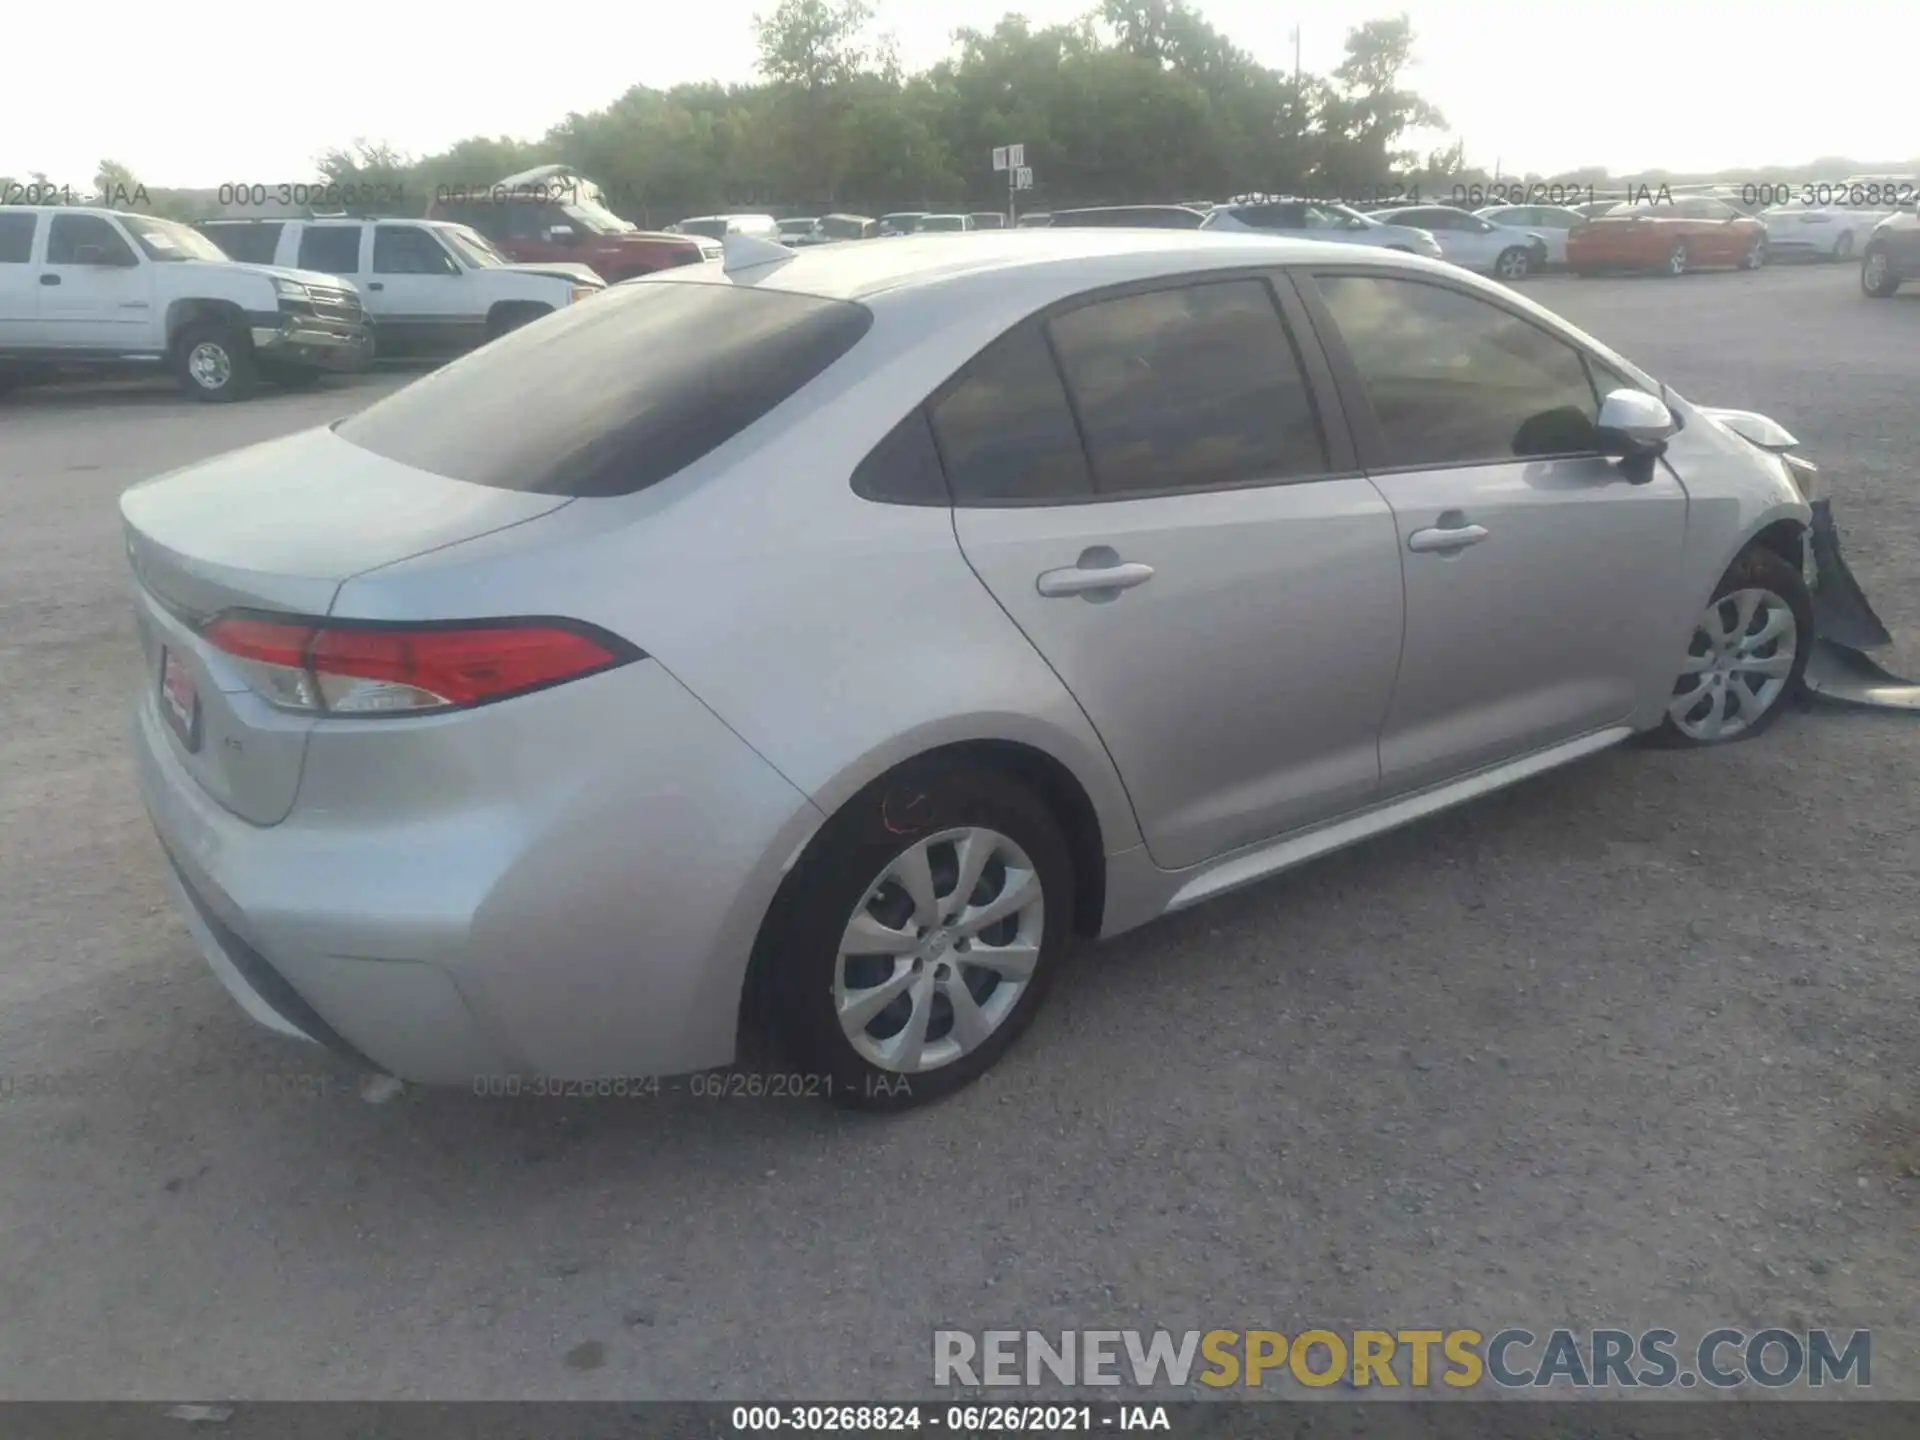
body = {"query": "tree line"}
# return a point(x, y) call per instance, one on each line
point(1136, 101)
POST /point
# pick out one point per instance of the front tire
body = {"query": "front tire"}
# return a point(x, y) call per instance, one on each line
point(1876, 274)
point(1756, 255)
point(1515, 263)
point(214, 363)
point(1843, 248)
point(1747, 654)
point(918, 936)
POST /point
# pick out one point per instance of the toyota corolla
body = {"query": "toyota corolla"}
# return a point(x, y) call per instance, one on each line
point(833, 637)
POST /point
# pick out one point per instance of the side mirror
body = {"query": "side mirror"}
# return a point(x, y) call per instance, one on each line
point(1634, 427)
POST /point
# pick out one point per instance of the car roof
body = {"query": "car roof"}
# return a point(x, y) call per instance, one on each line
point(1069, 260)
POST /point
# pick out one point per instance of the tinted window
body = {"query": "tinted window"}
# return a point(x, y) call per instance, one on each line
point(1188, 387)
point(69, 234)
point(531, 222)
point(1005, 433)
point(16, 237)
point(615, 394)
point(330, 249)
point(1455, 379)
point(244, 240)
point(407, 250)
point(904, 468)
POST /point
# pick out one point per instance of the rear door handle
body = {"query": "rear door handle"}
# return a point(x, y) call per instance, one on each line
point(1099, 575)
point(1456, 538)
point(376, 285)
point(49, 279)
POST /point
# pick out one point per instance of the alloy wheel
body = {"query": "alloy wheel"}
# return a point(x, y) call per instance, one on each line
point(1677, 260)
point(210, 365)
point(1513, 265)
point(1873, 274)
point(939, 950)
point(1843, 247)
point(1757, 253)
point(1737, 665)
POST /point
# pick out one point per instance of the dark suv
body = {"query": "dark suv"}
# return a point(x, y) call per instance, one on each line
point(550, 214)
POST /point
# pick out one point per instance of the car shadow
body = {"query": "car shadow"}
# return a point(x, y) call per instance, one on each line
point(160, 390)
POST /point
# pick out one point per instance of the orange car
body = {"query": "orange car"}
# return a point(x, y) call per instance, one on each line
point(1671, 236)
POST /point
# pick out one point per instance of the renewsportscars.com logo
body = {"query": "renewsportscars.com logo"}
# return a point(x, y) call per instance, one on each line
point(1513, 1358)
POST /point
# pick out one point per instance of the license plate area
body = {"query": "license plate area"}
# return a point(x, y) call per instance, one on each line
point(179, 700)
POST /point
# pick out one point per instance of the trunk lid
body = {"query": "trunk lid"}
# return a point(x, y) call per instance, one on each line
point(275, 527)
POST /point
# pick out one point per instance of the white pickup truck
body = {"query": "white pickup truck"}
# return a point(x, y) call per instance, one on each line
point(103, 289)
point(431, 287)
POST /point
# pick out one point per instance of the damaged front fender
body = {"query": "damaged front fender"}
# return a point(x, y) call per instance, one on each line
point(1845, 627)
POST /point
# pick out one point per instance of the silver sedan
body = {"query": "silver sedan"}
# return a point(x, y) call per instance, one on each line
point(826, 640)
point(1550, 222)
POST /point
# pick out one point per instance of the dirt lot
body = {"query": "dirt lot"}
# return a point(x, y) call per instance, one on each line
point(1633, 1044)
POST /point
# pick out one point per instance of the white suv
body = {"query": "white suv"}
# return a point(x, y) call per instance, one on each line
point(85, 288)
point(431, 287)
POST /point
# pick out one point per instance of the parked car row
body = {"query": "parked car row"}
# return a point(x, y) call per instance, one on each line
point(89, 289)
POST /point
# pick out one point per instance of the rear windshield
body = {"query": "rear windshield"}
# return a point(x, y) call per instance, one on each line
point(615, 393)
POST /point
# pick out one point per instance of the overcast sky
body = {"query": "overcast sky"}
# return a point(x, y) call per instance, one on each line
point(187, 96)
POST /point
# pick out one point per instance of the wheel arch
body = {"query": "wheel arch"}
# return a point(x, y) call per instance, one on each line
point(501, 310)
point(197, 309)
point(1052, 779)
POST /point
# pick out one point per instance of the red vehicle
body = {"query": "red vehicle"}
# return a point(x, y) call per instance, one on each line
point(550, 213)
point(1671, 236)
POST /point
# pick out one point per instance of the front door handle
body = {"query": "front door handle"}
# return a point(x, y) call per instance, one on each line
point(375, 285)
point(1098, 575)
point(1456, 537)
point(49, 279)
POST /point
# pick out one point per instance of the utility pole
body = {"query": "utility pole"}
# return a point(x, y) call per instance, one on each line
point(1296, 60)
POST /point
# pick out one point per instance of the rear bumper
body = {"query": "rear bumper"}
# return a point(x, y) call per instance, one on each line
point(585, 910)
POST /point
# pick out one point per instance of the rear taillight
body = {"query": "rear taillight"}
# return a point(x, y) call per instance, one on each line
point(323, 668)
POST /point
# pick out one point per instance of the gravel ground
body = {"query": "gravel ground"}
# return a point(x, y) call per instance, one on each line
point(1632, 1044)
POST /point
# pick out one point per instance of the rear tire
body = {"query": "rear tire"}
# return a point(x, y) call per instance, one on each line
point(214, 362)
point(1876, 273)
point(936, 820)
point(1678, 260)
point(1746, 656)
point(1843, 248)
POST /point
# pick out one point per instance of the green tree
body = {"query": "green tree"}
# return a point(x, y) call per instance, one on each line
point(1372, 112)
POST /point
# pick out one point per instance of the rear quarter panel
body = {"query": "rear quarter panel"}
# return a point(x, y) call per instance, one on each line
point(836, 635)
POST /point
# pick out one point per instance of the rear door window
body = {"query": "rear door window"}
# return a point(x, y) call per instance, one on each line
point(330, 249)
point(245, 240)
point(1191, 387)
point(1005, 432)
point(16, 237)
point(615, 394)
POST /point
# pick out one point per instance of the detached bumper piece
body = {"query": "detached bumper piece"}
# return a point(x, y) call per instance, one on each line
point(1845, 627)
